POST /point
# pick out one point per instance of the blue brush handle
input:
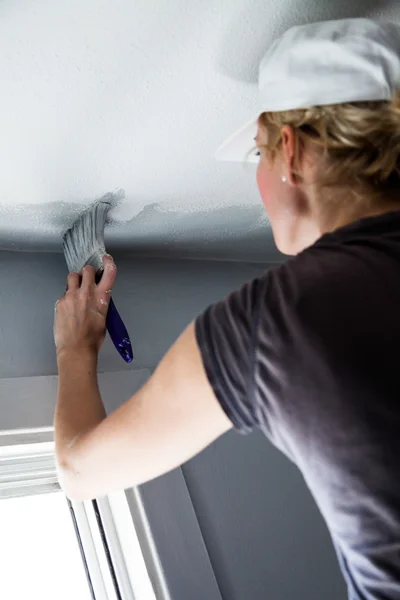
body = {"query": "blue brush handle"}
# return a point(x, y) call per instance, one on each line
point(118, 333)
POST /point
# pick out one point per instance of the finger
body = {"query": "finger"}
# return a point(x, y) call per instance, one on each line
point(88, 277)
point(106, 283)
point(104, 301)
point(73, 281)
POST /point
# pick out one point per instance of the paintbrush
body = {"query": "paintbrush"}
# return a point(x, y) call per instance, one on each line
point(84, 245)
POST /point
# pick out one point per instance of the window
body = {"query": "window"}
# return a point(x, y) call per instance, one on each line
point(53, 548)
point(39, 551)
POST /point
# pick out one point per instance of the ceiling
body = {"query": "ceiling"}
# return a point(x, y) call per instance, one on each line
point(106, 95)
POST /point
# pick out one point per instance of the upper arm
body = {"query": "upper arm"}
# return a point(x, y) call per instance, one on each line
point(173, 417)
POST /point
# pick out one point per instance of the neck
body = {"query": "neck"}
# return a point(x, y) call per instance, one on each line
point(318, 217)
point(332, 212)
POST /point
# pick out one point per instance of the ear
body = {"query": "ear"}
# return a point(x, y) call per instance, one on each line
point(289, 152)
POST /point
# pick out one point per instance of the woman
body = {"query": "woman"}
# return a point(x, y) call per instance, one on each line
point(308, 353)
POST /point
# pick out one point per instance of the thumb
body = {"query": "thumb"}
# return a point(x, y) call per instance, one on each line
point(106, 283)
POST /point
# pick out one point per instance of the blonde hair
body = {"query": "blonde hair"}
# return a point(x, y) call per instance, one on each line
point(358, 144)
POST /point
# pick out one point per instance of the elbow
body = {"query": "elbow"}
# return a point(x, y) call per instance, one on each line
point(72, 481)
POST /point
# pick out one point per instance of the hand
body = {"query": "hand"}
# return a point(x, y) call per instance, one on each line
point(80, 315)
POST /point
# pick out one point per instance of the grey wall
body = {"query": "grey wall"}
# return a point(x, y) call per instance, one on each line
point(263, 534)
point(156, 298)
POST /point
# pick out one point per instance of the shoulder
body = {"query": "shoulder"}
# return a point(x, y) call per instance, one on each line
point(316, 272)
point(310, 295)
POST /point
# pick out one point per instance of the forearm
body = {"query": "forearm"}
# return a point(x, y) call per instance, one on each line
point(79, 404)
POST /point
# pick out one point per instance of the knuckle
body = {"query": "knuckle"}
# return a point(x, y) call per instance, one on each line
point(59, 304)
point(112, 269)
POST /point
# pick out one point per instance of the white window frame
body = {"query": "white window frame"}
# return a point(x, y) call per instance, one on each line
point(110, 546)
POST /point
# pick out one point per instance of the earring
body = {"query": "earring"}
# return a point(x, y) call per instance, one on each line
point(284, 179)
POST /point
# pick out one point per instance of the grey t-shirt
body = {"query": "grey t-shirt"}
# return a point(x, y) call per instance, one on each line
point(309, 354)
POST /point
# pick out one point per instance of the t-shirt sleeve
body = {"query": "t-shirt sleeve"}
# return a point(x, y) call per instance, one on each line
point(226, 334)
point(270, 350)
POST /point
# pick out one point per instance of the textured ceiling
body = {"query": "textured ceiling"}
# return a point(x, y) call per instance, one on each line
point(114, 94)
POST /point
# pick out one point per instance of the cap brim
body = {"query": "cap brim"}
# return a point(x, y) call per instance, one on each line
point(240, 147)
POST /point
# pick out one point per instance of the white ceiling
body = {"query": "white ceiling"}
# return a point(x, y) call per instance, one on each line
point(99, 95)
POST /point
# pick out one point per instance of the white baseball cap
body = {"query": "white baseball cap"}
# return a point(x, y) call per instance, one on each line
point(349, 60)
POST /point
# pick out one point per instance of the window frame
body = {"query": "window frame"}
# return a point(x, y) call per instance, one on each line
point(28, 467)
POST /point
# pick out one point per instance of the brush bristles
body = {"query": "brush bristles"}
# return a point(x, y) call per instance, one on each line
point(84, 242)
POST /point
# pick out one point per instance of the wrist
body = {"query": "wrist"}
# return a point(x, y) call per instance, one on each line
point(83, 354)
